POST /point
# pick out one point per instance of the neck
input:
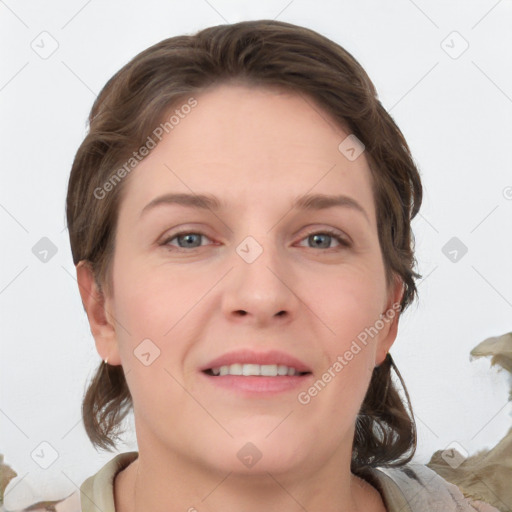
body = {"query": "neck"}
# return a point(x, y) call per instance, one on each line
point(142, 486)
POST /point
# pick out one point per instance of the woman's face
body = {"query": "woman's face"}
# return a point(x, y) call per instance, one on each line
point(254, 280)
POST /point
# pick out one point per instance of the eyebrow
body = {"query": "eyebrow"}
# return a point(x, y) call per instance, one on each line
point(209, 202)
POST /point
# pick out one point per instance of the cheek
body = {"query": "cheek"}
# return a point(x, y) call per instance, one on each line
point(156, 311)
point(348, 304)
point(347, 301)
point(154, 302)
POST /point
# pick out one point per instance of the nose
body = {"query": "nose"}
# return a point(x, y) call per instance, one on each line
point(260, 286)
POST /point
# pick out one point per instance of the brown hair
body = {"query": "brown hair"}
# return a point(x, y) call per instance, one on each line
point(269, 54)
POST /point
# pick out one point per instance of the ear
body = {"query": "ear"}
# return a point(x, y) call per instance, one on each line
point(100, 321)
point(390, 316)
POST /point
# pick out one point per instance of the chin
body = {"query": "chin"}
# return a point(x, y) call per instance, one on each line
point(258, 454)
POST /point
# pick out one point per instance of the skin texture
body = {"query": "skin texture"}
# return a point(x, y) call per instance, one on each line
point(256, 149)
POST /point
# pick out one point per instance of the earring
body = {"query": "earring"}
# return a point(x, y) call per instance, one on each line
point(106, 361)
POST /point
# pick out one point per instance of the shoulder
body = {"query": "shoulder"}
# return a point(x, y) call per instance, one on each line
point(94, 495)
point(70, 503)
point(97, 491)
point(415, 488)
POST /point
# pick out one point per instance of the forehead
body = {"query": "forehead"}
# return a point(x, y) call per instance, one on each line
point(244, 142)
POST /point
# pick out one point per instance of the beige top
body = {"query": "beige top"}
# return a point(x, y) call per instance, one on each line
point(411, 488)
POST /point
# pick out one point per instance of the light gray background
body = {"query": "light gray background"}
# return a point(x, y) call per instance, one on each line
point(454, 110)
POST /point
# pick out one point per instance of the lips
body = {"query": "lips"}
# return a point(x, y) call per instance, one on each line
point(250, 357)
point(249, 374)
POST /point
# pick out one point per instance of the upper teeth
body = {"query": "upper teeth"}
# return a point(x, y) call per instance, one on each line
point(268, 370)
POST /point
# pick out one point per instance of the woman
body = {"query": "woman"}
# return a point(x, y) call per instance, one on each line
point(239, 216)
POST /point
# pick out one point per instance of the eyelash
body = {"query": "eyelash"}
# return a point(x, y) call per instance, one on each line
point(344, 243)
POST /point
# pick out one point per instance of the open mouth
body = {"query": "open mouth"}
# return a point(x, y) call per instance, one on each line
point(255, 370)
